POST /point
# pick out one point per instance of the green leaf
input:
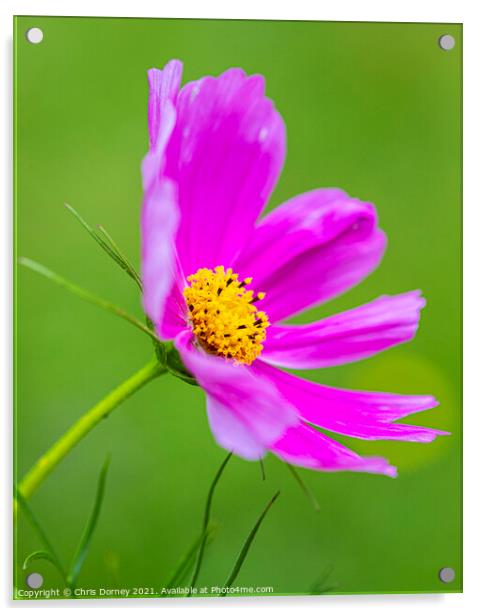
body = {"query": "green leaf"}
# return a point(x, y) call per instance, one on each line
point(176, 367)
point(207, 514)
point(88, 296)
point(188, 559)
point(306, 490)
point(247, 544)
point(39, 555)
point(32, 518)
point(86, 539)
point(159, 347)
point(112, 249)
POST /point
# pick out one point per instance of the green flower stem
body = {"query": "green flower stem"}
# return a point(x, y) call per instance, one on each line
point(85, 424)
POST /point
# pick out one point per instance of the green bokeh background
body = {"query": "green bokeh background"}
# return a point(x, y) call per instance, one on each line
point(373, 108)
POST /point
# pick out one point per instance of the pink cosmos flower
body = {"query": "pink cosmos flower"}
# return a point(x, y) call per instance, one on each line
point(219, 280)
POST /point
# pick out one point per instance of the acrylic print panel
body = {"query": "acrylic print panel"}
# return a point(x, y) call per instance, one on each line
point(280, 257)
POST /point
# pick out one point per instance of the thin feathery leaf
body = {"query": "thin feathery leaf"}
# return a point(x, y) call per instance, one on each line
point(86, 539)
point(94, 236)
point(207, 514)
point(306, 490)
point(87, 295)
point(131, 270)
point(247, 544)
point(110, 250)
point(40, 531)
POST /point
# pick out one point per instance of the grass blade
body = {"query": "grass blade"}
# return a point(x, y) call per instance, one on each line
point(207, 513)
point(85, 541)
point(87, 295)
point(320, 586)
point(188, 559)
point(39, 555)
point(263, 473)
point(110, 250)
point(247, 544)
point(306, 490)
point(52, 554)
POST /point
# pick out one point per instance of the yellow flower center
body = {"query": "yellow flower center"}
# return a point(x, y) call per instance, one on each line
point(223, 314)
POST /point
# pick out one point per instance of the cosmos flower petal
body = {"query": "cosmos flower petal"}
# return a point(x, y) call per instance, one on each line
point(161, 117)
point(304, 446)
point(359, 414)
point(163, 88)
point(232, 432)
point(311, 249)
point(172, 320)
point(246, 412)
point(225, 154)
point(348, 336)
point(160, 276)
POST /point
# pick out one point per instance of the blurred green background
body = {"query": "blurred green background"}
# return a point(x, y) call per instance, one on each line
point(373, 108)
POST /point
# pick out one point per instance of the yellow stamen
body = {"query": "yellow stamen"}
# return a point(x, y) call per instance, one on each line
point(223, 314)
